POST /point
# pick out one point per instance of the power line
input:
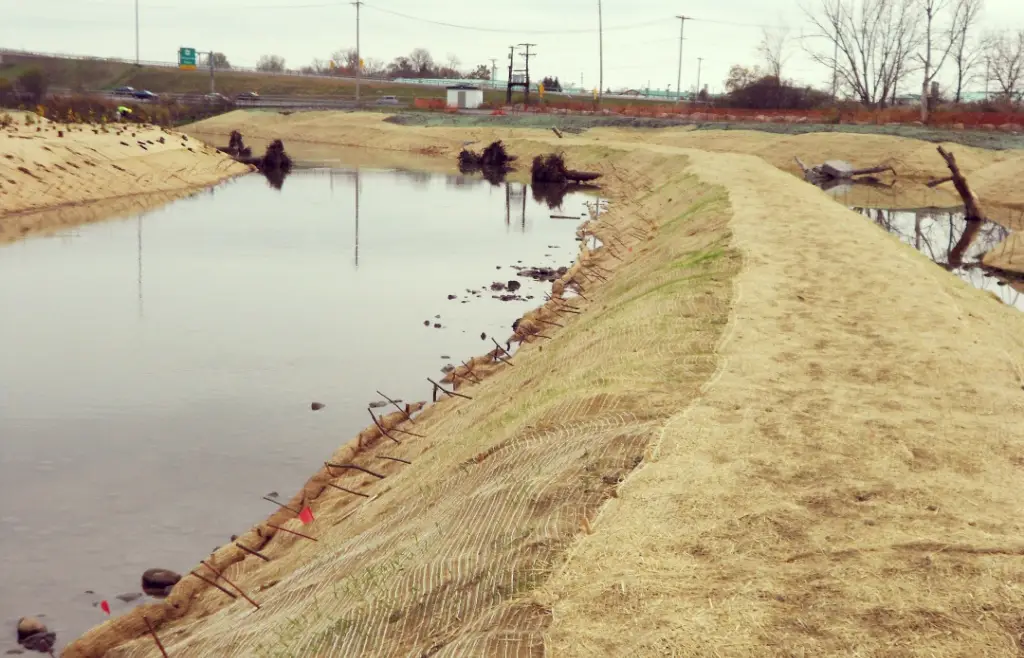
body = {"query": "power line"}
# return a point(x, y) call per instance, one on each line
point(505, 30)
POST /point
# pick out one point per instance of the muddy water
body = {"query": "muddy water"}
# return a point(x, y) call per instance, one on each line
point(945, 236)
point(156, 374)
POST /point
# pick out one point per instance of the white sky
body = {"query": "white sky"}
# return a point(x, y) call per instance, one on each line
point(723, 32)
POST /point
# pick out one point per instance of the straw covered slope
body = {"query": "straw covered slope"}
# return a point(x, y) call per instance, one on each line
point(53, 175)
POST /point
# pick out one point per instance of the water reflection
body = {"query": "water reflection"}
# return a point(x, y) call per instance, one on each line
point(952, 242)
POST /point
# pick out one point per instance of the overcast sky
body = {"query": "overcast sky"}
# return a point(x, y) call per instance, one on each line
point(641, 37)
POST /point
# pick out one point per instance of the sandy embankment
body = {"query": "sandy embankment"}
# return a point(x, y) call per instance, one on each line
point(749, 439)
point(50, 180)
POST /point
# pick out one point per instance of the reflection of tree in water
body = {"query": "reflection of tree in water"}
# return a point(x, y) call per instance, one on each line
point(948, 239)
point(275, 177)
point(551, 194)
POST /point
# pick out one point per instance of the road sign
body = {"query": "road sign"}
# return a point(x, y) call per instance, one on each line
point(187, 58)
point(540, 89)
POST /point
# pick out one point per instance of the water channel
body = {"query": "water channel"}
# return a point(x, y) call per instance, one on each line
point(158, 372)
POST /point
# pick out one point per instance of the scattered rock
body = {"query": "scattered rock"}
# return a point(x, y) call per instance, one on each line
point(273, 494)
point(451, 297)
point(437, 325)
point(28, 626)
point(426, 323)
point(41, 642)
point(234, 537)
point(159, 582)
point(447, 369)
point(445, 357)
point(317, 406)
point(483, 336)
point(514, 286)
point(497, 285)
point(129, 597)
point(14, 652)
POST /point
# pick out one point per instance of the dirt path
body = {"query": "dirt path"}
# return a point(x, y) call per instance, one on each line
point(60, 176)
point(768, 428)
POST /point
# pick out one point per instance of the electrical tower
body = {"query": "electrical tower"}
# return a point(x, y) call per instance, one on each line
point(526, 56)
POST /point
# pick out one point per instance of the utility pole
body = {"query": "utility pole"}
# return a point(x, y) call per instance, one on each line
point(213, 88)
point(527, 55)
point(136, 32)
point(700, 62)
point(494, 70)
point(359, 56)
point(600, 53)
point(511, 59)
point(679, 73)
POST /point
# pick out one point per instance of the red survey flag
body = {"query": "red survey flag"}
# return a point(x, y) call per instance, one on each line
point(105, 607)
point(306, 516)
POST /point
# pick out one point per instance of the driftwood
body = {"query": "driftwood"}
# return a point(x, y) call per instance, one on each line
point(973, 210)
point(838, 170)
point(551, 169)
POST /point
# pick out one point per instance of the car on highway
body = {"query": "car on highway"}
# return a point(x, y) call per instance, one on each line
point(145, 95)
point(247, 96)
point(123, 91)
point(387, 100)
point(215, 97)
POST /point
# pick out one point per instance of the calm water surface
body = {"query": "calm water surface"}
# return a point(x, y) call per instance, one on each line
point(156, 373)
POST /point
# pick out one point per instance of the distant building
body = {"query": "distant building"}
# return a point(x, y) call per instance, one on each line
point(465, 97)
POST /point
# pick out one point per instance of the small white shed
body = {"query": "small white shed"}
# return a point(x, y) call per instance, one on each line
point(465, 97)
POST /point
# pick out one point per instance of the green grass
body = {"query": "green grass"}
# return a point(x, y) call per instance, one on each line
point(91, 75)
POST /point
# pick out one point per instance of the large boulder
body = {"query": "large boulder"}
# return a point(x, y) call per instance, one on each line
point(29, 626)
point(158, 582)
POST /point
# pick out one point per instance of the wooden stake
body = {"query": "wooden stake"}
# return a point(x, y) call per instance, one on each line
point(395, 459)
point(152, 632)
point(438, 387)
point(470, 372)
point(507, 360)
point(212, 584)
point(354, 493)
point(252, 552)
point(405, 413)
point(291, 532)
point(236, 587)
point(354, 467)
point(381, 427)
point(290, 509)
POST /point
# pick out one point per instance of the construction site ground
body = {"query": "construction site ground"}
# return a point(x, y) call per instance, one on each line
point(766, 428)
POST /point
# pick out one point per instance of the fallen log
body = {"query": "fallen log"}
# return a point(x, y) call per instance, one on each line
point(973, 210)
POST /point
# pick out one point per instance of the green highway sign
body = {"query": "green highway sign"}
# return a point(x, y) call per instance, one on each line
point(186, 58)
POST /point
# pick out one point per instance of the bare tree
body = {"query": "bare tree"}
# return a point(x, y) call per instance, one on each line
point(869, 43)
point(774, 49)
point(454, 62)
point(938, 42)
point(346, 59)
point(422, 61)
point(270, 63)
point(967, 53)
point(1005, 55)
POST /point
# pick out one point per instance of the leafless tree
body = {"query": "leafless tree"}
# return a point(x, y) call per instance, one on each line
point(454, 62)
point(270, 63)
point(422, 61)
point(941, 25)
point(867, 43)
point(774, 49)
point(1005, 55)
point(967, 52)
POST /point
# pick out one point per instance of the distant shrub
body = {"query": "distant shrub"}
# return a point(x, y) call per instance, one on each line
point(33, 84)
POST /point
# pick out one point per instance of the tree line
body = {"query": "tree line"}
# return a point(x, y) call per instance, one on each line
point(417, 64)
point(873, 48)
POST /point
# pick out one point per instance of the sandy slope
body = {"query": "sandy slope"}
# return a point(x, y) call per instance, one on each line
point(750, 440)
point(49, 180)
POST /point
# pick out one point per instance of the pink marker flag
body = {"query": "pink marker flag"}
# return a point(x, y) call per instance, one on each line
point(105, 607)
point(306, 516)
